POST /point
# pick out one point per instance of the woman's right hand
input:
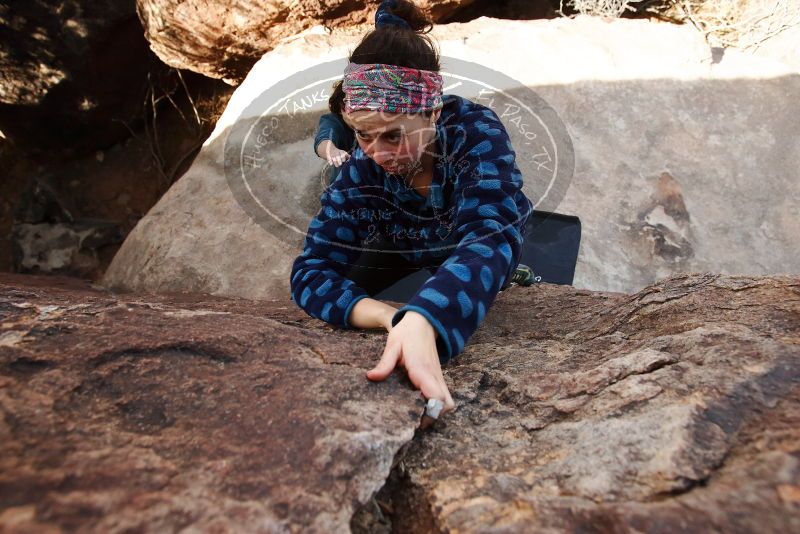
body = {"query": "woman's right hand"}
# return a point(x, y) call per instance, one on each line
point(412, 344)
point(333, 155)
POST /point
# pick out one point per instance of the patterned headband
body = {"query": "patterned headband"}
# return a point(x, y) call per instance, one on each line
point(391, 88)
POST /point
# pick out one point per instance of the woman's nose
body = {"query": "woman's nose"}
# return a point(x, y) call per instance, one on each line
point(381, 153)
point(382, 159)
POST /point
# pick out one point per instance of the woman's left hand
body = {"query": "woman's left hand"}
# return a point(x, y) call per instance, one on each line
point(412, 344)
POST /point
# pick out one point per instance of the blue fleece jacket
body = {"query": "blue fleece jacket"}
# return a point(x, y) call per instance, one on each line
point(332, 127)
point(468, 228)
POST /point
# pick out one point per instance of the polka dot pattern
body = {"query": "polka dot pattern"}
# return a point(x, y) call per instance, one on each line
point(487, 278)
point(344, 299)
point(469, 203)
point(487, 168)
point(481, 249)
point(337, 256)
point(465, 302)
point(505, 250)
point(481, 313)
point(459, 340)
point(345, 234)
point(461, 271)
point(324, 288)
point(434, 296)
point(481, 148)
point(487, 210)
point(337, 197)
point(305, 296)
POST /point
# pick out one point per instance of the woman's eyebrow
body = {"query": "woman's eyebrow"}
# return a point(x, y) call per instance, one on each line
point(393, 130)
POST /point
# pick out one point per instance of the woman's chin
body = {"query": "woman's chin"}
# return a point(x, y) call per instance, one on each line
point(398, 168)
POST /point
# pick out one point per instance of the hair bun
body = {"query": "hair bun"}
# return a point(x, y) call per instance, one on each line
point(384, 16)
point(403, 14)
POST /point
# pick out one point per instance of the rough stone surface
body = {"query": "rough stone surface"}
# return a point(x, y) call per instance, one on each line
point(47, 236)
point(675, 409)
point(73, 74)
point(683, 161)
point(41, 198)
point(225, 38)
point(124, 413)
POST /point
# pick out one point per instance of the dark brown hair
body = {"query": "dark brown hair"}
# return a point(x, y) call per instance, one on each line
point(393, 45)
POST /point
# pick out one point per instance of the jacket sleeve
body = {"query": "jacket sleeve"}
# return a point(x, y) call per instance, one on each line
point(331, 246)
point(491, 210)
point(332, 127)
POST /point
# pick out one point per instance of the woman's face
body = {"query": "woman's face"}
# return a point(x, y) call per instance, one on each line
point(395, 141)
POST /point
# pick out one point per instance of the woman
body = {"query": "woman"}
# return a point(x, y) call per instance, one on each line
point(434, 184)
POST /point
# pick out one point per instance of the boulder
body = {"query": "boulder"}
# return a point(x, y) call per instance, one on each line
point(74, 75)
point(48, 237)
point(157, 413)
point(676, 408)
point(675, 158)
point(224, 38)
point(70, 216)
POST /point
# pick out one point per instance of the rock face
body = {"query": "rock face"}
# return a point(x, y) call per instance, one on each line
point(148, 413)
point(225, 38)
point(673, 409)
point(48, 237)
point(73, 74)
point(682, 163)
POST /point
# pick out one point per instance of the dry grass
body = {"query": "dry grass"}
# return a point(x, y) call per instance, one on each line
point(739, 23)
point(724, 23)
point(601, 8)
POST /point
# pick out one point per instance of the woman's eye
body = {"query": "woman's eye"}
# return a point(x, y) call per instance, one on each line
point(391, 138)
